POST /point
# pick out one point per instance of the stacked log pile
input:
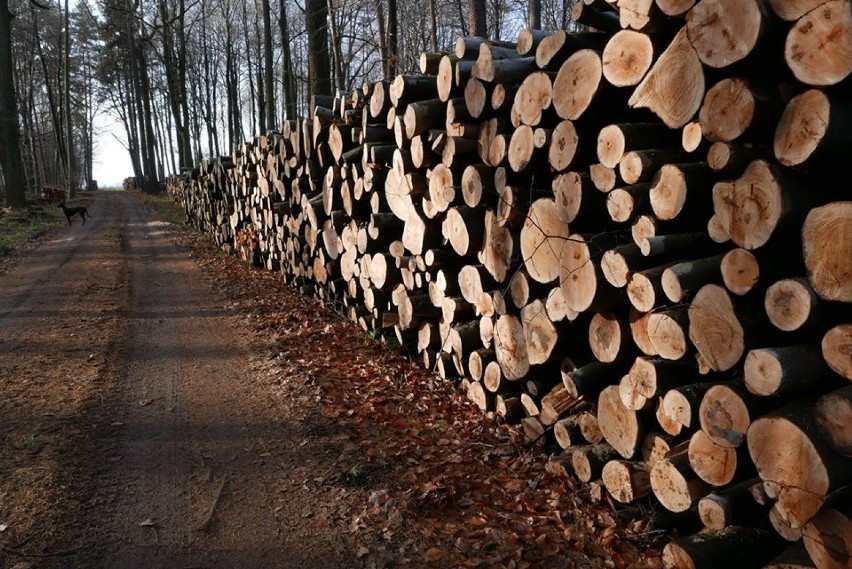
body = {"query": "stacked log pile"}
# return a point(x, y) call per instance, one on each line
point(632, 241)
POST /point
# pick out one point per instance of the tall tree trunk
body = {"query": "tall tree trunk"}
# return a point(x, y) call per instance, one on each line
point(71, 182)
point(393, 39)
point(253, 97)
point(51, 96)
point(149, 150)
point(268, 76)
point(13, 173)
point(319, 71)
point(336, 48)
point(535, 14)
point(477, 24)
point(288, 77)
point(382, 39)
point(433, 25)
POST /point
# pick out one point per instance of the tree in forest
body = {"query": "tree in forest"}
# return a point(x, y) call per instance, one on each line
point(477, 22)
point(10, 155)
point(319, 68)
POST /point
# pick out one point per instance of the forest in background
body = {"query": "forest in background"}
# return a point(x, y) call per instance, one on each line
point(190, 79)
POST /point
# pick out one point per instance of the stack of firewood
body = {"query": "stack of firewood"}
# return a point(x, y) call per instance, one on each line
point(631, 241)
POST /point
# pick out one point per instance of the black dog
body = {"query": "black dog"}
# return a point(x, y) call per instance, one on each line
point(72, 211)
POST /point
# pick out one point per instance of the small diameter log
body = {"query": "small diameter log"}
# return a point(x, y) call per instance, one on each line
point(540, 333)
point(731, 506)
point(827, 246)
point(564, 144)
point(683, 189)
point(609, 337)
point(682, 280)
point(837, 350)
point(639, 330)
point(590, 428)
point(627, 57)
point(494, 380)
point(589, 460)
point(567, 431)
point(464, 228)
point(619, 425)
point(642, 165)
point(645, 289)
point(534, 431)
point(559, 45)
point(577, 198)
point(604, 179)
point(481, 398)
point(477, 361)
point(626, 481)
point(510, 347)
point(833, 416)
point(740, 271)
point(714, 464)
point(623, 204)
point(655, 446)
point(509, 408)
point(588, 380)
point(735, 546)
point(522, 289)
point(674, 86)
point(732, 159)
point(785, 371)
point(828, 537)
point(543, 238)
point(813, 128)
point(791, 304)
point(818, 47)
point(498, 249)
point(791, 456)
point(726, 412)
point(679, 407)
point(477, 185)
point(615, 140)
point(674, 483)
point(649, 378)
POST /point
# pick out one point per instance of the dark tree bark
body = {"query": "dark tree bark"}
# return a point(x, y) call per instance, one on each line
point(13, 174)
point(535, 14)
point(382, 37)
point(393, 40)
point(319, 69)
point(433, 25)
point(287, 75)
point(477, 20)
point(268, 83)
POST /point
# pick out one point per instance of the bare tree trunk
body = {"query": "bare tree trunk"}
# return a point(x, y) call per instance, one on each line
point(287, 76)
point(336, 48)
point(433, 25)
point(13, 173)
point(319, 70)
point(268, 83)
point(535, 14)
point(477, 20)
point(71, 185)
point(393, 41)
point(382, 38)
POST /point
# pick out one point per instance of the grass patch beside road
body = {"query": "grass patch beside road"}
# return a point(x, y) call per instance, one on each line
point(19, 226)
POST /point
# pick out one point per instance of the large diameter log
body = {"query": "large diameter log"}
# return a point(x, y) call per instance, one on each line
point(464, 228)
point(578, 82)
point(724, 32)
point(627, 57)
point(543, 238)
point(619, 425)
point(813, 128)
point(828, 537)
point(626, 481)
point(674, 86)
point(818, 47)
point(791, 456)
point(837, 350)
point(833, 417)
point(533, 97)
point(735, 546)
point(827, 245)
point(510, 347)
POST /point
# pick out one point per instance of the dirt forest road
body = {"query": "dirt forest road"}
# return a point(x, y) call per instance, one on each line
point(137, 422)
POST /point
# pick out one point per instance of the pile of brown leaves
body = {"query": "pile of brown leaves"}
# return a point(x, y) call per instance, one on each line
point(448, 486)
